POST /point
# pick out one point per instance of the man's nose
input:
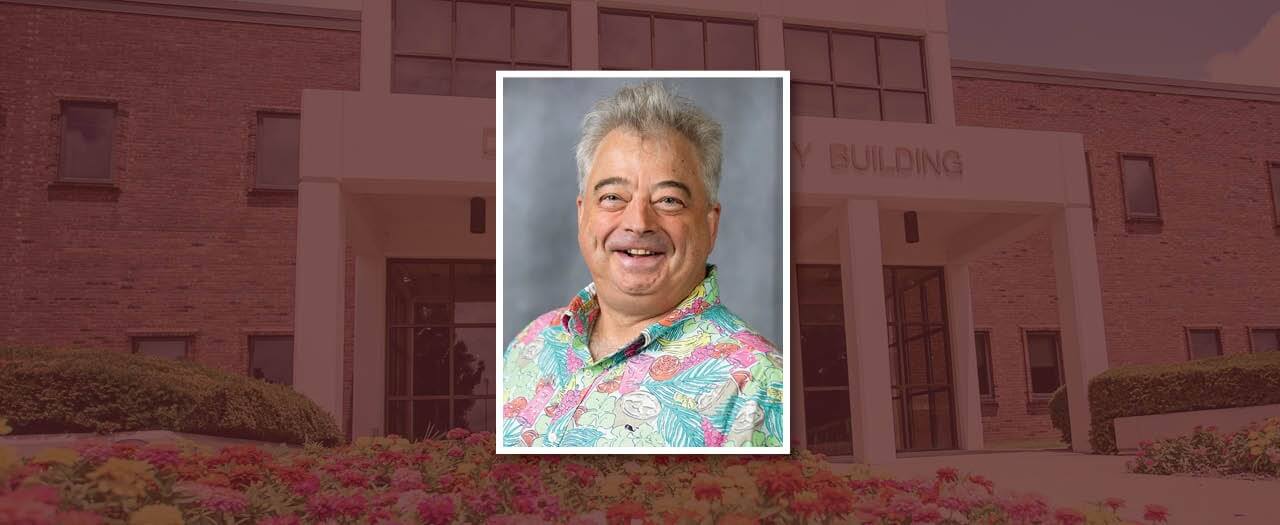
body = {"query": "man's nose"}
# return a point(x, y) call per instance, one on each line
point(638, 217)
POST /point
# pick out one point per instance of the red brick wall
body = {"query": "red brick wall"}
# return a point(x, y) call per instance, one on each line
point(182, 245)
point(1215, 260)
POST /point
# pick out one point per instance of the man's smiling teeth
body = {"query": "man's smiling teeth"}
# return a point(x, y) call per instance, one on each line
point(634, 251)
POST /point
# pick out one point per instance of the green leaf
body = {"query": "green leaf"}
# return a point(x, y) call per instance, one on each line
point(679, 426)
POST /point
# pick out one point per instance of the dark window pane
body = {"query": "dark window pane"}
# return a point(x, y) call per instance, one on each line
point(818, 284)
point(810, 100)
point(858, 103)
point(1265, 340)
point(815, 314)
point(430, 361)
point(1140, 187)
point(828, 422)
point(272, 358)
point(398, 370)
point(473, 368)
point(624, 41)
point(807, 55)
point(423, 26)
point(475, 300)
point(166, 347)
point(677, 44)
point(731, 46)
point(905, 107)
point(398, 418)
point(1044, 361)
point(424, 76)
point(477, 79)
point(484, 31)
point(853, 59)
point(825, 360)
point(277, 151)
point(1275, 190)
point(542, 35)
point(474, 414)
point(416, 291)
point(86, 141)
point(431, 418)
point(982, 347)
point(1204, 343)
point(900, 64)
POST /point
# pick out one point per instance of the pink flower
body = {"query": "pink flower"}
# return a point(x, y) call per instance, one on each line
point(17, 509)
point(405, 479)
point(280, 520)
point(457, 433)
point(948, 475)
point(436, 509)
point(712, 437)
point(1113, 503)
point(1155, 513)
point(1069, 517)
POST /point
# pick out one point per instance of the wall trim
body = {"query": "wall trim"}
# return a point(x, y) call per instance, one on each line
point(221, 10)
point(1117, 81)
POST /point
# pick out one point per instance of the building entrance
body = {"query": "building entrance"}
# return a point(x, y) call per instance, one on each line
point(919, 358)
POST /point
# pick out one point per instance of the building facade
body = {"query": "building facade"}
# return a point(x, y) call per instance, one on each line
point(203, 179)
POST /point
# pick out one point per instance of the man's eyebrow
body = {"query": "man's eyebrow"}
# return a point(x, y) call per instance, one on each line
point(608, 181)
point(674, 184)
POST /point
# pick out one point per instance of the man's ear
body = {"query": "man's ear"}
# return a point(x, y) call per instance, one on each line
point(713, 224)
point(579, 208)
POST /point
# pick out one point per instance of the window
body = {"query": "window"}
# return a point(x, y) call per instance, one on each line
point(277, 151)
point(441, 335)
point(88, 130)
point(637, 40)
point(1138, 177)
point(271, 358)
point(854, 75)
point(982, 346)
point(1264, 340)
point(1203, 342)
point(1274, 169)
point(175, 347)
point(1044, 362)
point(443, 47)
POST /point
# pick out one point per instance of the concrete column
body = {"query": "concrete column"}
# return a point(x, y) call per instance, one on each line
point(772, 54)
point(375, 46)
point(964, 357)
point(1084, 344)
point(368, 398)
point(866, 332)
point(319, 296)
point(937, 59)
point(585, 34)
point(798, 434)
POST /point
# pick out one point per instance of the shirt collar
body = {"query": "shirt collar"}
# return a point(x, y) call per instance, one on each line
point(583, 311)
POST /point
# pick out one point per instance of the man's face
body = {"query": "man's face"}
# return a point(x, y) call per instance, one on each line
point(645, 222)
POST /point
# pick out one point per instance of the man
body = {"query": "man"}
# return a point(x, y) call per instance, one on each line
point(645, 355)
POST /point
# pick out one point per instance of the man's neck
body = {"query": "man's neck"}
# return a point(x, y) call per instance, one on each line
point(614, 329)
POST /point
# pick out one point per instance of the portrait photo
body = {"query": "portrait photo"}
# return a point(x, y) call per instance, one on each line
point(642, 257)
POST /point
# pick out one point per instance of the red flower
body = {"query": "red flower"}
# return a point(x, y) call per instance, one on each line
point(436, 509)
point(1114, 503)
point(457, 433)
point(948, 475)
point(1156, 514)
point(623, 513)
point(1069, 517)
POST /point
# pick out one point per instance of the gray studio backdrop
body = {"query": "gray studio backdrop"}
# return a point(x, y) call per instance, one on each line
point(542, 267)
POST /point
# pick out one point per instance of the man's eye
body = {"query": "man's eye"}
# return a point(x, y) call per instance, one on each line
point(611, 199)
point(670, 202)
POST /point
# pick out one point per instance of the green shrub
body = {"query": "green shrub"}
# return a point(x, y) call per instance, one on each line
point(54, 391)
point(1059, 414)
point(1221, 382)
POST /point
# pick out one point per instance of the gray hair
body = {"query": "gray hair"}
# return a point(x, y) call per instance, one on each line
point(648, 108)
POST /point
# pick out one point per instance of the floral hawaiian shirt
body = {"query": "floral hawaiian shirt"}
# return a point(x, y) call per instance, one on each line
point(698, 378)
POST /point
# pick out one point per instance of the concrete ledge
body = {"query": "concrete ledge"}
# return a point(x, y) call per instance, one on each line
point(31, 444)
point(1133, 430)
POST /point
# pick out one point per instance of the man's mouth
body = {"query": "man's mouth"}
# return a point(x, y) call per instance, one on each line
point(637, 252)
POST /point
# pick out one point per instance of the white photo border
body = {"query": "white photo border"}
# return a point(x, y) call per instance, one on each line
point(785, 311)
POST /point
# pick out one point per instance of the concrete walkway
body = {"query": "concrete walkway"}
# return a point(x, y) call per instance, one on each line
point(1071, 479)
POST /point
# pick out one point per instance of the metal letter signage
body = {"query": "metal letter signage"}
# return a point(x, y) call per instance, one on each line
point(896, 161)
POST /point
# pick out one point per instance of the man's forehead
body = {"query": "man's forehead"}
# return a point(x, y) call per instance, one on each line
point(622, 157)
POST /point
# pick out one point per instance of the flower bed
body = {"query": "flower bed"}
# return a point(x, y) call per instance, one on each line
point(1252, 451)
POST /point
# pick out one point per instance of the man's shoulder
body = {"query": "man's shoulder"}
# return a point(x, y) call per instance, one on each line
point(535, 334)
point(729, 325)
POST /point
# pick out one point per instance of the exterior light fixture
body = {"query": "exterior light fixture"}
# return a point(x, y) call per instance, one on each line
point(477, 215)
point(912, 224)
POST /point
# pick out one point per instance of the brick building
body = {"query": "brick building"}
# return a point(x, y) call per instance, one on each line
point(150, 203)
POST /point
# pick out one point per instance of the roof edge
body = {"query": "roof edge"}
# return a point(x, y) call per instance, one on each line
point(221, 10)
point(1117, 81)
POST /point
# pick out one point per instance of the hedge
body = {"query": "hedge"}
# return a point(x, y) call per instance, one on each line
point(55, 391)
point(1060, 414)
point(1221, 382)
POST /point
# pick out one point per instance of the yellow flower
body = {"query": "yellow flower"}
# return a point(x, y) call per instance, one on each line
point(156, 515)
point(61, 456)
point(8, 458)
point(612, 484)
point(4, 426)
point(123, 477)
point(464, 468)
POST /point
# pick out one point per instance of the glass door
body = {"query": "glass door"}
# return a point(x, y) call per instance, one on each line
point(919, 358)
point(824, 360)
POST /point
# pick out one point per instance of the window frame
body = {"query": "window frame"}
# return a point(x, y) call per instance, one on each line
point(63, 104)
point(257, 149)
point(834, 84)
point(1129, 215)
point(1249, 330)
point(989, 365)
point(1217, 330)
point(1273, 176)
point(452, 56)
point(702, 20)
point(249, 339)
point(1027, 332)
point(187, 339)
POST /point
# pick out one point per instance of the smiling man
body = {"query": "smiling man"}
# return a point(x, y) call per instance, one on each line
point(646, 355)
